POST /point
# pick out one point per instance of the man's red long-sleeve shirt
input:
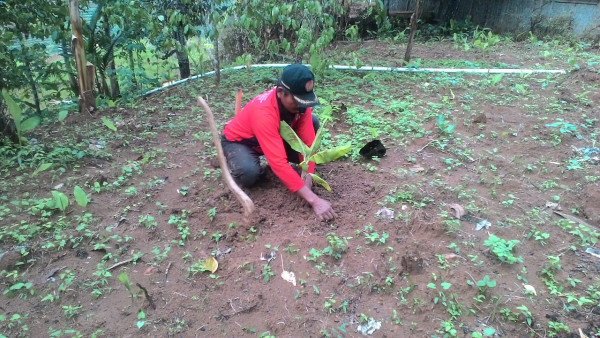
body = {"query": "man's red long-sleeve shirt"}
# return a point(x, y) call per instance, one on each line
point(261, 118)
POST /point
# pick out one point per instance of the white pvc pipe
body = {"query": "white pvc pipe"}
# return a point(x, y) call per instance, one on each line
point(377, 69)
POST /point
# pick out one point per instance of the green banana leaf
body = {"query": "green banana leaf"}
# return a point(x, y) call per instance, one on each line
point(304, 165)
point(290, 136)
point(330, 154)
point(30, 124)
point(317, 142)
point(321, 181)
point(14, 110)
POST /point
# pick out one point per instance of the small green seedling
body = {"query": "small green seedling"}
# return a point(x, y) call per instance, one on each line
point(124, 279)
point(312, 153)
point(485, 283)
point(503, 249)
point(444, 126)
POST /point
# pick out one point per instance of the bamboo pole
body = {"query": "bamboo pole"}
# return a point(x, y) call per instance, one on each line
point(85, 70)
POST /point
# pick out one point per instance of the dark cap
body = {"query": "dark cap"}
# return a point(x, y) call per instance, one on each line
point(299, 81)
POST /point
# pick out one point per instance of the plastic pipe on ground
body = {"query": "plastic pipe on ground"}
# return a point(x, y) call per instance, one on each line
point(375, 69)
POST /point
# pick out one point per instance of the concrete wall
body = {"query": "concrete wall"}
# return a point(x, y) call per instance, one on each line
point(513, 16)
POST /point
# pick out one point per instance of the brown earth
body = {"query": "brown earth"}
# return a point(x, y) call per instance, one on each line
point(507, 177)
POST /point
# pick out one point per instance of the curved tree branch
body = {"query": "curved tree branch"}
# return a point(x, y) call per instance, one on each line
point(237, 191)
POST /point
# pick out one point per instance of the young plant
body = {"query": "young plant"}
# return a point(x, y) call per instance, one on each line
point(485, 283)
point(312, 153)
point(124, 279)
point(444, 126)
point(503, 249)
point(17, 116)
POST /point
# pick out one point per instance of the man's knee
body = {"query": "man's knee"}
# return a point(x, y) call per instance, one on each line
point(315, 121)
point(246, 174)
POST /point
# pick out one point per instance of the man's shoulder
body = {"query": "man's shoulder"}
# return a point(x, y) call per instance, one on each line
point(264, 99)
point(264, 104)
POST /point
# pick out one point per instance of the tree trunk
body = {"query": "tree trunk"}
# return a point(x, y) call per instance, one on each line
point(182, 57)
point(68, 68)
point(111, 69)
point(103, 84)
point(7, 128)
point(85, 82)
point(217, 61)
point(132, 68)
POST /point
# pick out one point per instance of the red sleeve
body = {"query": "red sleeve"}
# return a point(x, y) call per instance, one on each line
point(266, 129)
point(306, 131)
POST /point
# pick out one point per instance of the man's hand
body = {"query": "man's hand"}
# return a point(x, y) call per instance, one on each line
point(322, 208)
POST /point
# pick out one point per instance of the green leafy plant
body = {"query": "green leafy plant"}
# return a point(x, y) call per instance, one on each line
point(16, 113)
point(124, 279)
point(526, 313)
point(485, 283)
point(563, 126)
point(71, 311)
point(80, 196)
point(555, 328)
point(503, 249)
point(484, 39)
point(337, 246)
point(267, 273)
point(59, 200)
point(312, 153)
point(488, 332)
point(42, 167)
point(444, 126)
point(109, 124)
point(141, 319)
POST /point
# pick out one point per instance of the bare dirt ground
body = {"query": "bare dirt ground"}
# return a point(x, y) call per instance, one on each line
point(414, 273)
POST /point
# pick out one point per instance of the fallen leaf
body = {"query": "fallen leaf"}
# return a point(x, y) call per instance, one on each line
point(417, 169)
point(453, 256)
point(150, 270)
point(289, 276)
point(458, 210)
point(210, 264)
point(530, 288)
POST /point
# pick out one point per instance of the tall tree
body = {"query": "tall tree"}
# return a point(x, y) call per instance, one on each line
point(177, 21)
point(23, 24)
point(84, 75)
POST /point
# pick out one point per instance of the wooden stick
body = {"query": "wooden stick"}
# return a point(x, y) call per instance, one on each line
point(167, 273)
point(238, 102)
point(237, 191)
point(121, 263)
point(413, 28)
point(147, 295)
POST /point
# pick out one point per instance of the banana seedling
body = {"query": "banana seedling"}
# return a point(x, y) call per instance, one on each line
point(312, 153)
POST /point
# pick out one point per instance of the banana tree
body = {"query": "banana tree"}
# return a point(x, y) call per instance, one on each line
point(312, 153)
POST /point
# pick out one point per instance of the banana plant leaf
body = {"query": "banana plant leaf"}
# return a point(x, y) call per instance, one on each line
point(289, 135)
point(317, 142)
point(329, 155)
point(321, 181)
point(304, 165)
point(14, 109)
